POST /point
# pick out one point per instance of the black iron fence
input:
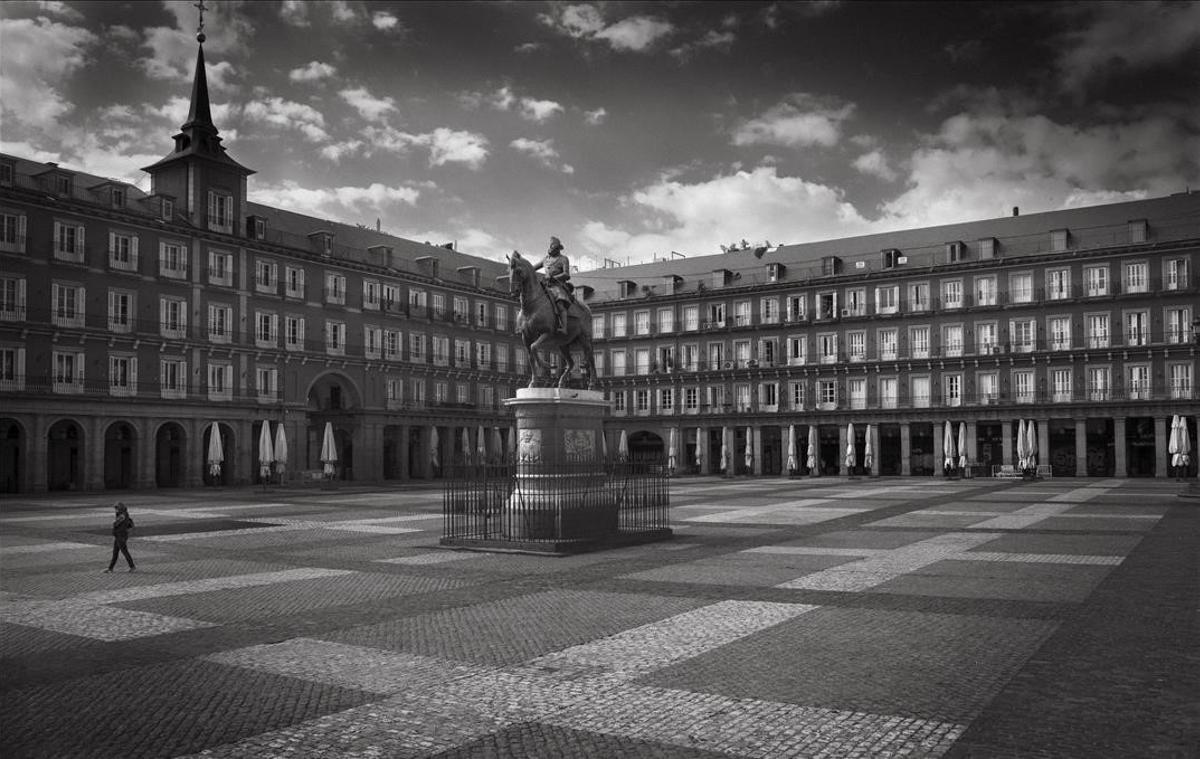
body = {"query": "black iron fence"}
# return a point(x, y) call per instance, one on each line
point(555, 508)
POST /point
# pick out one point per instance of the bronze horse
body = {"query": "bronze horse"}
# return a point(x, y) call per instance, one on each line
point(537, 326)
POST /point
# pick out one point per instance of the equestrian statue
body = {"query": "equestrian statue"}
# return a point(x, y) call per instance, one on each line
point(550, 315)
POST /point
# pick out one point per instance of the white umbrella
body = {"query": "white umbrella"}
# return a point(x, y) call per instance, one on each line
point(699, 447)
point(281, 448)
point(749, 452)
point(1022, 454)
point(725, 450)
point(869, 451)
point(962, 445)
point(481, 445)
point(948, 445)
point(329, 454)
point(216, 453)
point(672, 442)
point(851, 449)
point(1031, 446)
point(497, 443)
point(266, 453)
point(604, 445)
point(512, 441)
point(434, 444)
point(623, 447)
point(812, 449)
point(1185, 443)
point(792, 464)
point(1173, 441)
point(466, 445)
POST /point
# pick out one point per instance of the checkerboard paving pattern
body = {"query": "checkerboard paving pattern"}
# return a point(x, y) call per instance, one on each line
point(791, 618)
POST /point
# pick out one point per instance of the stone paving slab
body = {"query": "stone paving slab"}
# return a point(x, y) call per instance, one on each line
point(22, 640)
point(740, 569)
point(1084, 545)
point(75, 581)
point(536, 740)
point(1018, 581)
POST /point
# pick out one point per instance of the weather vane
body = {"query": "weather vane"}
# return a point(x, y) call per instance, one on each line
point(200, 29)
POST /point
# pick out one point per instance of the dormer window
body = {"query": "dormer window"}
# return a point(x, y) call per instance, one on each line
point(890, 257)
point(720, 277)
point(118, 197)
point(775, 271)
point(1059, 240)
point(324, 242)
point(62, 184)
point(168, 209)
point(987, 248)
point(256, 227)
point(1138, 231)
point(220, 212)
point(626, 288)
point(8, 173)
point(955, 252)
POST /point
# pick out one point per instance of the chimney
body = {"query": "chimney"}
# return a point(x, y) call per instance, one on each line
point(1016, 210)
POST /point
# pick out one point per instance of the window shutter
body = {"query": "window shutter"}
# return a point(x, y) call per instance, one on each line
point(79, 368)
point(300, 332)
point(20, 367)
point(79, 244)
point(21, 298)
point(80, 302)
point(112, 309)
point(112, 371)
point(21, 231)
point(112, 244)
point(57, 236)
point(183, 258)
point(274, 328)
point(162, 257)
point(133, 251)
point(133, 376)
point(162, 314)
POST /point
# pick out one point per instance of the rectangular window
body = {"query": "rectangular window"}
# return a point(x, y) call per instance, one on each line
point(856, 302)
point(767, 353)
point(716, 356)
point(439, 350)
point(12, 299)
point(68, 242)
point(641, 361)
point(888, 344)
point(122, 375)
point(1175, 274)
point(1023, 386)
point(619, 402)
point(220, 382)
point(294, 333)
point(716, 315)
point(691, 399)
point(1179, 324)
point(618, 363)
point(666, 321)
point(827, 395)
point(1099, 379)
point(220, 323)
point(768, 396)
point(66, 305)
point(986, 341)
point(952, 389)
point(769, 310)
point(598, 326)
point(691, 357)
point(641, 400)
point(1179, 381)
point(1095, 279)
point(691, 318)
point(267, 383)
point(918, 296)
point(266, 276)
point(391, 344)
point(1097, 330)
point(172, 378)
point(641, 322)
point(417, 300)
point(666, 400)
point(1058, 284)
point(483, 355)
point(858, 392)
point(796, 310)
point(1059, 238)
point(952, 293)
point(920, 392)
point(481, 313)
point(741, 313)
point(266, 329)
point(372, 342)
point(120, 311)
point(887, 299)
point(1020, 288)
point(462, 353)
point(335, 338)
point(989, 388)
point(1138, 382)
point(1060, 333)
point(502, 358)
point(952, 340)
point(1060, 382)
point(68, 371)
point(371, 291)
point(741, 398)
point(1137, 327)
point(335, 288)
point(1137, 277)
point(462, 310)
point(918, 340)
point(172, 260)
point(220, 212)
point(827, 344)
point(796, 395)
point(618, 325)
point(417, 392)
point(295, 282)
point(12, 232)
point(500, 314)
point(123, 251)
point(888, 392)
point(857, 345)
point(985, 291)
point(220, 268)
point(797, 347)
point(1023, 334)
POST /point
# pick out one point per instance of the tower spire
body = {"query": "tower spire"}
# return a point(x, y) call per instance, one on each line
point(200, 114)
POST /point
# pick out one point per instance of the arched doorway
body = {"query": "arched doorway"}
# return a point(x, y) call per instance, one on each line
point(169, 456)
point(64, 456)
point(646, 446)
point(12, 456)
point(120, 453)
point(229, 458)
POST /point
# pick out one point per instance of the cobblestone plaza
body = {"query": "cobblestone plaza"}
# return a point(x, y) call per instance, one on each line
point(788, 618)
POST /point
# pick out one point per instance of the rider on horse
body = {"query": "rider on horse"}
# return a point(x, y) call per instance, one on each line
point(557, 275)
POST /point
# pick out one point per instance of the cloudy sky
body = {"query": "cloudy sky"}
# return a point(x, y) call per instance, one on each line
point(627, 129)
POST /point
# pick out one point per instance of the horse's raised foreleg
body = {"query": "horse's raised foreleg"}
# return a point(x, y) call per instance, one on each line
point(564, 350)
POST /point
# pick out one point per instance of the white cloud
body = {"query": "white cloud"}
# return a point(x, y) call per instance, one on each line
point(694, 218)
point(288, 114)
point(596, 117)
point(294, 12)
point(444, 145)
point(875, 164)
point(59, 8)
point(39, 56)
point(337, 150)
point(175, 112)
point(543, 151)
point(539, 110)
point(798, 120)
point(122, 33)
point(712, 40)
point(173, 49)
point(368, 106)
point(527, 47)
point(584, 21)
point(30, 151)
point(343, 12)
point(1106, 38)
point(471, 240)
point(346, 204)
point(385, 21)
point(312, 71)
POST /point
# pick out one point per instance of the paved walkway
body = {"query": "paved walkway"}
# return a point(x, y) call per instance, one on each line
point(788, 618)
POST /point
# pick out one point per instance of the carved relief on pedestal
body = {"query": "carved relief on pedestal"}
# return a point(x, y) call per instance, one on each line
point(580, 444)
point(529, 446)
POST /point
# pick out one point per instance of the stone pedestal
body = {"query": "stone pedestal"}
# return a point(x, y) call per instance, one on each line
point(561, 489)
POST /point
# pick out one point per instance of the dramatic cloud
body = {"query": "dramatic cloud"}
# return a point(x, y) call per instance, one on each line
point(875, 164)
point(1122, 37)
point(39, 56)
point(444, 145)
point(755, 205)
point(312, 72)
point(60, 9)
point(368, 106)
point(800, 120)
point(633, 34)
point(344, 204)
point(336, 151)
point(288, 114)
point(539, 110)
point(173, 49)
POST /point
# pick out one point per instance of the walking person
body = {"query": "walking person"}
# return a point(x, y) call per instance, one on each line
point(122, 524)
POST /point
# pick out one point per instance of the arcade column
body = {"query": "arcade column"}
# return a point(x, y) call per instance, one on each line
point(1043, 442)
point(1006, 443)
point(148, 454)
point(1081, 448)
point(38, 447)
point(402, 451)
point(93, 470)
point(905, 449)
point(843, 441)
point(1120, 444)
point(939, 458)
point(1161, 459)
point(756, 432)
point(873, 430)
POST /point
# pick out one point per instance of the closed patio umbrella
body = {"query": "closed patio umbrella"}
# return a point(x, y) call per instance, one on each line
point(725, 450)
point(623, 446)
point(792, 462)
point(466, 445)
point(851, 449)
point(1185, 444)
point(329, 454)
point(481, 445)
point(812, 449)
point(948, 445)
point(266, 451)
point(512, 442)
point(962, 445)
point(281, 449)
point(497, 444)
point(435, 442)
point(672, 442)
point(749, 452)
point(869, 451)
point(216, 453)
point(699, 447)
point(1173, 440)
point(1022, 448)
point(1031, 446)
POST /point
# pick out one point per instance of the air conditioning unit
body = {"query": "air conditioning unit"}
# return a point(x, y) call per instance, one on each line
point(728, 365)
point(845, 312)
point(752, 363)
